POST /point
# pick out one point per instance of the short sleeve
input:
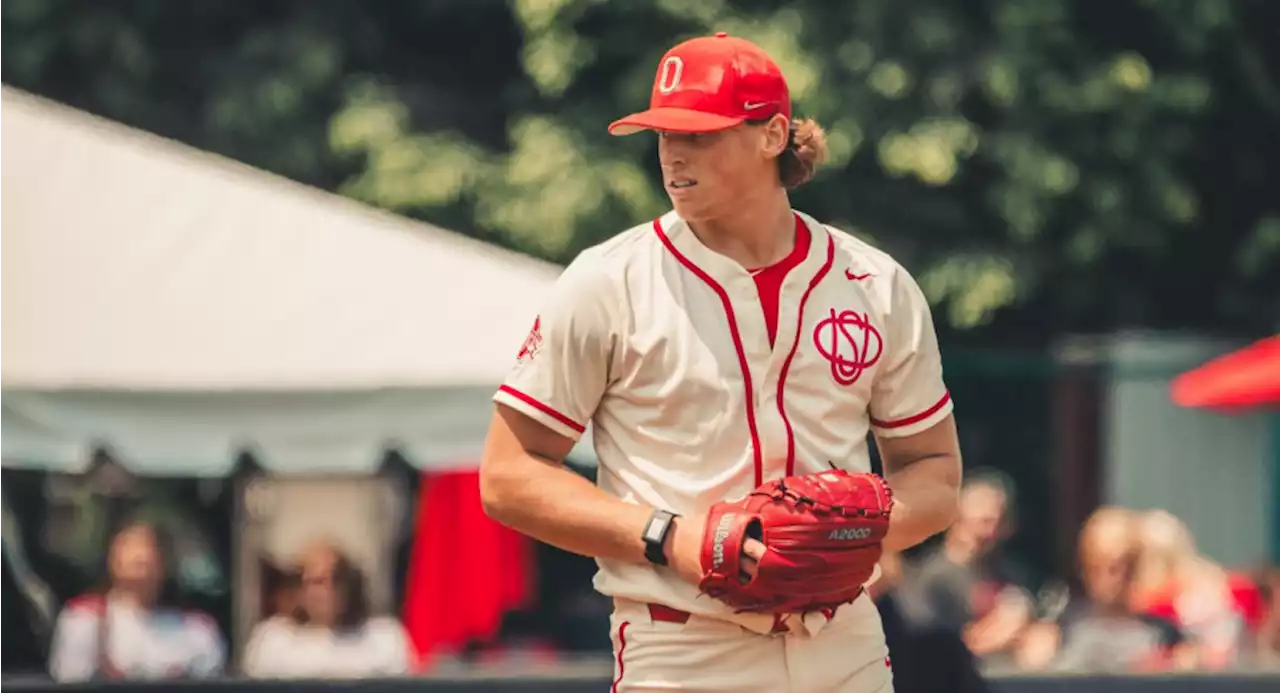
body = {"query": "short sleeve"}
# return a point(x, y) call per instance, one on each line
point(909, 395)
point(562, 367)
point(74, 651)
point(394, 651)
point(263, 652)
point(209, 652)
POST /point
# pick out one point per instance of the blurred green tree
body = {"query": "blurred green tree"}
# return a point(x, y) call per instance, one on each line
point(1042, 166)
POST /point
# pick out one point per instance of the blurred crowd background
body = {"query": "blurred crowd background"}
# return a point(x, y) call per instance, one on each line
point(246, 367)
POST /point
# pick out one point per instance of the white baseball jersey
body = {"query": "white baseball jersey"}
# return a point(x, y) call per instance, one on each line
point(662, 344)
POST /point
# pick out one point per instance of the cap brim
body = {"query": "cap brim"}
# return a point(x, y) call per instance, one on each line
point(669, 119)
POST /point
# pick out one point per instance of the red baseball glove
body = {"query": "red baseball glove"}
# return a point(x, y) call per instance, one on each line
point(822, 533)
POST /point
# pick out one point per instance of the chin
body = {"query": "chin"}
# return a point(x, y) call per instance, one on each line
point(691, 211)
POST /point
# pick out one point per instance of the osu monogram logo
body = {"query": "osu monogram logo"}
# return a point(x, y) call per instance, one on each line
point(531, 343)
point(849, 342)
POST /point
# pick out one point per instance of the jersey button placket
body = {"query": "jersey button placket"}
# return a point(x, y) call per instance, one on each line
point(755, 344)
point(761, 359)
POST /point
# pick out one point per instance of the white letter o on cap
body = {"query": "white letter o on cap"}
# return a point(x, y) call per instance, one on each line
point(669, 74)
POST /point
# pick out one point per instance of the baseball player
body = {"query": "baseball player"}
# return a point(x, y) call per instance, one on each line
point(732, 355)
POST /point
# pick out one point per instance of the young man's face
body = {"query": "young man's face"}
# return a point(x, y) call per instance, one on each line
point(706, 175)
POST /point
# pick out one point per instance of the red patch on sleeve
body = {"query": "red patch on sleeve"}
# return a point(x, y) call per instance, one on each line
point(532, 342)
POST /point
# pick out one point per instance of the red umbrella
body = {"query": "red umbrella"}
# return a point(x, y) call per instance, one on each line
point(1249, 377)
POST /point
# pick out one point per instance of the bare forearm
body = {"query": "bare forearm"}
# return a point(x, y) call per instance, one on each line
point(552, 504)
point(926, 493)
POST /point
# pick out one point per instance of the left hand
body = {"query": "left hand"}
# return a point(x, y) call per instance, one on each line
point(819, 539)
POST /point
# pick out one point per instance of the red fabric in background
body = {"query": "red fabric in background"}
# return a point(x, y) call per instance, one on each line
point(466, 571)
point(1248, 599)
point(1241, 379)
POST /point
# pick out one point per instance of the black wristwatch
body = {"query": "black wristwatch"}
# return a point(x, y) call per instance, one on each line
point(655, 536)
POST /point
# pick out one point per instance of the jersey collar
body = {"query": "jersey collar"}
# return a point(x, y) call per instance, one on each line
point(723, 269)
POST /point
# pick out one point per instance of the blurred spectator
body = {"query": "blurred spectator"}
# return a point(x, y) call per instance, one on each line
point(925, 657)
point(966, 584)
point(1100, 632)
point(124, 631)
point(331, 633)
point(1173, 581)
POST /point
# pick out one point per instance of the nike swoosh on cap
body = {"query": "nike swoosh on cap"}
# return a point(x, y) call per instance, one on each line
point(753, 105)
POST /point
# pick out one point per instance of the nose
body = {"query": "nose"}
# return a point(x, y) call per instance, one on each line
point(671, 150)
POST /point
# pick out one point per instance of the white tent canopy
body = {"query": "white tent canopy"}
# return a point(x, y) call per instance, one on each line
point(177, 308)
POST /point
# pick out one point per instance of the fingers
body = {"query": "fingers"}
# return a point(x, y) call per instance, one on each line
point(752, 552)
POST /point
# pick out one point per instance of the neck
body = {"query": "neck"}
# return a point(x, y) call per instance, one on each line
point(959, 551)
point(756, 233)
point(322, 621)
point(1113, 609)
point(131, 597)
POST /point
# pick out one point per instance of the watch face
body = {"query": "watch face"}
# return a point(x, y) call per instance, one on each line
point(654, 535)
point(657, 527)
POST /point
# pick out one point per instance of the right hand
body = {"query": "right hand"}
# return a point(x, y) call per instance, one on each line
point(684, 550)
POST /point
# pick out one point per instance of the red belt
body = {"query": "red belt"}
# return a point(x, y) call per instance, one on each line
point(666, 614)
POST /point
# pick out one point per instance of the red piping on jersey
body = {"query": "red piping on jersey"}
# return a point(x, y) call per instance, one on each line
point(737, 344)
point(786, 365)
point(544, 408)
point(622, 647)
point(946, 397)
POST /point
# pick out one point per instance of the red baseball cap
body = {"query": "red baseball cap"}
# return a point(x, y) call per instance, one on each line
point(711, 83)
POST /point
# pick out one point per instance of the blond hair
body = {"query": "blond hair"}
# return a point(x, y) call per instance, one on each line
point(1169, 555)
point(805, 152)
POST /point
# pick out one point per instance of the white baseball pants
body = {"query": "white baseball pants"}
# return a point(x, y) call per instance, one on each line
point(706, 655)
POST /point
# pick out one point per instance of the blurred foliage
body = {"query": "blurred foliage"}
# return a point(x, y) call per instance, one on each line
point(1042, 166)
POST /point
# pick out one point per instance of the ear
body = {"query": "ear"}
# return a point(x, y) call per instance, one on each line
point(776, 136)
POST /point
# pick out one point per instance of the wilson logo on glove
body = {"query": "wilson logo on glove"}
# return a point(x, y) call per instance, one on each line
point(722, 533)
